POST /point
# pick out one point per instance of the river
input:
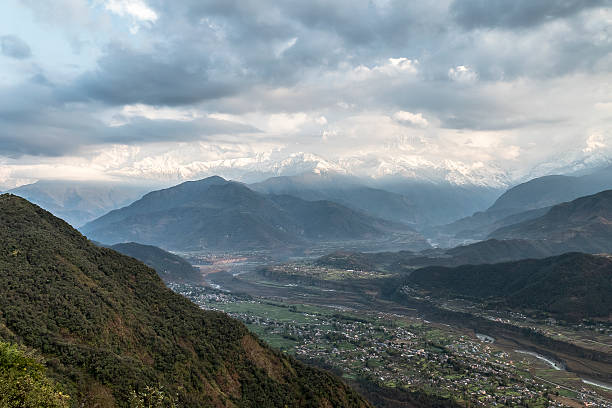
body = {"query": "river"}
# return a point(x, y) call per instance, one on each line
point(598, 384)
point(559, 366)
point(554, 364)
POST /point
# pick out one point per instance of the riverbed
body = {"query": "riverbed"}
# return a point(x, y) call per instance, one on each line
point(554, 364)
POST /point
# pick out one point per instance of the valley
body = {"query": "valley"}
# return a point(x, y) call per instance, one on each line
point(306, 204)
point(411, 348)
point(509, 320)
point(505, 321)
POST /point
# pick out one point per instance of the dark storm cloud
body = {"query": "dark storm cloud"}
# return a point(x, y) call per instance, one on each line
point(14, 47)
point(356, 22)
point(142, 130)
point(61, 133)
point(161, 77)
point(516, 13)
point(32, 122)
point(211, 49)
point(208, 50)
point(243, 56)
point(354, 29)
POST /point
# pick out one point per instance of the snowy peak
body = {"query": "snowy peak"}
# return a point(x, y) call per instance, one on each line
point(256, 168)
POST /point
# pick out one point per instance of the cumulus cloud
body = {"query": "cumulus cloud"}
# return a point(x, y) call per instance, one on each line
point(152, 112)
point(136, 9)
point(595, 142)
point(462, 74)
point(399, 65)
point(414, 119)
point(14, 47)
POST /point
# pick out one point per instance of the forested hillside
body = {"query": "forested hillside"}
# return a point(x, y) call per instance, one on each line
point(570, 286)
point(108, 327)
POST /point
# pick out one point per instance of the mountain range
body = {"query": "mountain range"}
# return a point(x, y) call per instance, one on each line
point(396, 199)
point(110, 330)
point(418, 203)
point(218, 214)
point(584, 224)
point(253, 168)
point(344, 190)
point(431, 193)
point(529, 200)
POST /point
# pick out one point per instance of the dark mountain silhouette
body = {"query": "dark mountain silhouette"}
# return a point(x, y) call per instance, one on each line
point(170, 267)
point(570, 286)
point(582, 225)
point(217, 214)
point(484, 252)
point(528, 201)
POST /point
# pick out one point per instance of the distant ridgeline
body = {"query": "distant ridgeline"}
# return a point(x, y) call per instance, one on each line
point(78, 202)
point(484, 252)
point(112, 333)
point(525, 202)
point(218, 214)
point(584, 224)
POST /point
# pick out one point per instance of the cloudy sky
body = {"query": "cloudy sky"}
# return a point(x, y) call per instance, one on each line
point(489, 91)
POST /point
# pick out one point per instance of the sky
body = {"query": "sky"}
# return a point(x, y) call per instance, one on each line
point(468, 91)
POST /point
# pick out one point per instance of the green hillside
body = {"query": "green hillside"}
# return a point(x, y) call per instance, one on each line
point(108, 327)
point(24, 383)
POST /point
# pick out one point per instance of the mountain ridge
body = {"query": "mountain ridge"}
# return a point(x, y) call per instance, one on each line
point(584, 224)
point(215, 213)
point(529, 200)
point(406, 200)
point(483, 252)
point(570, 286)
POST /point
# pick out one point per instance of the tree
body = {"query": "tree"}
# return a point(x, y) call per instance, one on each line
point(23, 381)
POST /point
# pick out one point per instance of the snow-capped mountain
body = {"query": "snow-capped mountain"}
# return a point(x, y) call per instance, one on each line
point(258, 167)
point(235, 163)
point(571, 164)
point(419, 169)
point(247, 169)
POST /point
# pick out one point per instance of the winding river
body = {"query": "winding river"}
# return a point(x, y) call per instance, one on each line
point(560, 366)
point(597, 384)
point(554, 364)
